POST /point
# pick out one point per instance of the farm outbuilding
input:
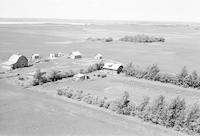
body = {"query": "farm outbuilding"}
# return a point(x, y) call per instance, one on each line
point(75, 55)
point(53, 55)
point(35, 56)
point(60, 54)
point(16, 61)
point(80, 76)
point(113, 66)
point(98, 56)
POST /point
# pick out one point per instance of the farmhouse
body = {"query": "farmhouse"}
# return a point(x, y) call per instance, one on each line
point(35, 56)
point(16, 61)
point(113, 66)
point(80, 76)
point(75, 55)
point(98, 56)
point(53, 55)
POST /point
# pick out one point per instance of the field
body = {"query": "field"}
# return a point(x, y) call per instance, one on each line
point(181, 48)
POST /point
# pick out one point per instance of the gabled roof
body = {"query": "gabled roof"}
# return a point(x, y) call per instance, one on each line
point(112, 66)
point(99, 55)
point(79, 75)
point(12, 60)
point(35, 55)
point(76, 53)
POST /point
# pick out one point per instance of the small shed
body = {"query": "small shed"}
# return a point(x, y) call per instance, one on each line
point(113, 66)
point(80, 76)
point(53, 55)
point(98, 56)
point(60, 54)
point(16, 61)
point(75, 55)
point(35, 56)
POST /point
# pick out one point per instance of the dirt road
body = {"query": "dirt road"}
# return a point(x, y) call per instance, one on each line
point(26, 112)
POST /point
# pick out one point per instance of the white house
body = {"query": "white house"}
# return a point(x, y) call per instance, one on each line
point(53, 55)
point(98, 56)
point(113, 66)
point(16, 61)
point(35, 56)
point(75, 55)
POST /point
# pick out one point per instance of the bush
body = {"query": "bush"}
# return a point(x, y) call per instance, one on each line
point(176, 113)
point(39, 78)
point(61, 92)
point(119, 104)
point(141, 109)
point(109, 39)
point(94, 67)
point(192, 122)
point(157, 113)
point(142, 38)
point(135, 71)
point(151, 72)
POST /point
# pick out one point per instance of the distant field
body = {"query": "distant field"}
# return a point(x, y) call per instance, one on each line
point(181, 46)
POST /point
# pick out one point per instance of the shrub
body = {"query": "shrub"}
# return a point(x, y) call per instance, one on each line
point(61, 92)
point(103, 75)
point(119, 104)
point(151, 72)
point(109, 39)
point(129, 109)
point(157, 113)
point(53, 76)
point(192, 122)
point(166, 78)
point(77, 95)
point(142, 38)
point(175, 113)
point(39, 78)
point(135, 71)
point(142, 108)
point(94, 67)
point(182, 75)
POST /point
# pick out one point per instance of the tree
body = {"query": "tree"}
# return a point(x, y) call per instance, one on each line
point(175, 113)
point(192, 121)
point(158, 111)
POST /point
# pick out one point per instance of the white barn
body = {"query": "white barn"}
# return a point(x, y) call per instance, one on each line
point(75, 55)
point(16, 61)
point(113, 66)
point(98, 56)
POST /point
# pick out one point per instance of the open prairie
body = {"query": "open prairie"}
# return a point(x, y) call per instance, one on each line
point(38, 110)
point(180, 49)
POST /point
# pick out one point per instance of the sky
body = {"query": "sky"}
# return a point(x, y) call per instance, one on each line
point(139, 10)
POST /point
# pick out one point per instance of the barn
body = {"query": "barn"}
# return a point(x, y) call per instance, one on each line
point(113, 66)
point(35, 56)
point(16, 61)
point(75, 55)
point(98, 56)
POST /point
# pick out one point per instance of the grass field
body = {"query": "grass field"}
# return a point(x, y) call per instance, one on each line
point(40, 104)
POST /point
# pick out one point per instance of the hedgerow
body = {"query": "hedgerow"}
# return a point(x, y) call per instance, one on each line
point(142, 39)
point(40, 77)
point(153, 72)
point(174, 114)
